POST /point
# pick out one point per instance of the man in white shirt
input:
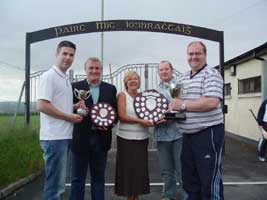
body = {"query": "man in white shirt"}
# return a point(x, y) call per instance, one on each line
point(55, 103)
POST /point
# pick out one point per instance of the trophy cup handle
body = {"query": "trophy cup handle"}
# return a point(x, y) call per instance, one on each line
point(87, 95)
point(175, 90)
point(76, 93)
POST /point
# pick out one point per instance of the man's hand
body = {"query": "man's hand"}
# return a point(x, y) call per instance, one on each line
point(161, 121)
point(264, 133)
point(76, 105)
point(75, 118)
point(175, 104)
point(102, 128)
point(81, 104)
point(46, 107)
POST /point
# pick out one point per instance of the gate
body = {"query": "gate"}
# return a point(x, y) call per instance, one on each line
point(148, 75)
point(116, 25)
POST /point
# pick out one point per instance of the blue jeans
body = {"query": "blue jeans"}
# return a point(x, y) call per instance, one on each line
point(96, 160)
point(170, 166)
point(55, 154)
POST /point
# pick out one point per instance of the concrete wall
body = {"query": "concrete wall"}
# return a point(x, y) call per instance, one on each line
point(239, 120)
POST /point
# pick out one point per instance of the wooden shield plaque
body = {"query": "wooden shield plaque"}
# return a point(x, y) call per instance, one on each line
point(103, 114)
point(150, 105)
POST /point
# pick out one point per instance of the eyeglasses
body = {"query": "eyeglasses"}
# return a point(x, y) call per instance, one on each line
point(195, 53)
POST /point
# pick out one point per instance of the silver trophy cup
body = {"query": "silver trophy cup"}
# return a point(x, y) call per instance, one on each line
point(82, 95)
point(176, 91)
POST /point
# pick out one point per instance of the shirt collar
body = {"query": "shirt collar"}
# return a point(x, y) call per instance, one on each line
point(60, 73)
point(167, 84)
point(192, 75)
point(90, 85)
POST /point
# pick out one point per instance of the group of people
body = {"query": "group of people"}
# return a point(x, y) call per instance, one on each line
point(189, 151)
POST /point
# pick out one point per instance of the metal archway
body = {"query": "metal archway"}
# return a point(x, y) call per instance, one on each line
point(116, 25)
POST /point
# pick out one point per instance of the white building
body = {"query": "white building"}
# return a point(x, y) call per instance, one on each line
point(245, 89)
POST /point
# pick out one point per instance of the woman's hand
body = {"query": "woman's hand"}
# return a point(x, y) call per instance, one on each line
point(146, 123)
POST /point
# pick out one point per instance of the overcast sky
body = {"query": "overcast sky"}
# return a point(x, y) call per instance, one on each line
point(243, 22)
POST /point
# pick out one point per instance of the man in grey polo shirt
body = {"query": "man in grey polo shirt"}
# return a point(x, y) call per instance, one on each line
point(203, 128)
point(55, 102)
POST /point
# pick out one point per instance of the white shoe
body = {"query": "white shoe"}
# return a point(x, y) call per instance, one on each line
point(261, 159)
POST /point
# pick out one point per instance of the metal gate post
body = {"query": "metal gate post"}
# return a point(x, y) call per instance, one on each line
point(146, 76)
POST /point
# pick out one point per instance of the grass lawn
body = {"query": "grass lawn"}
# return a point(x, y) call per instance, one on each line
point(20, 154)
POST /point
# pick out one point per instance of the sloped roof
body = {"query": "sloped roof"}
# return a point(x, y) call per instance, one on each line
point(251, 54)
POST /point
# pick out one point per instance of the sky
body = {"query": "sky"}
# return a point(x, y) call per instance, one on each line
point(243, 22)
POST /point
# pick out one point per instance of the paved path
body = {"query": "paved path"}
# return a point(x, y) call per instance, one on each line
point(244, 177)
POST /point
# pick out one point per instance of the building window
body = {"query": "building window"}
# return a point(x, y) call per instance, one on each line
point(227, 89)
point(249, 85)
point(233, 70)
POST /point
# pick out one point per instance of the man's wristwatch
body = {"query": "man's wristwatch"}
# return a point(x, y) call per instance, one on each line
point(183, 107)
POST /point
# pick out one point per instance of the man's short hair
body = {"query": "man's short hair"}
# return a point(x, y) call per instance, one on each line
point(66, 43)
point(93, 59)
point(198, 42)
point(166, 61)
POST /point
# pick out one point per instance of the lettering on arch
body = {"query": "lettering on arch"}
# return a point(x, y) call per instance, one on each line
point(125, 25)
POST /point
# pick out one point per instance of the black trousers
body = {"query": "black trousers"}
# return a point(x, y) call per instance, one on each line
point(201, 164)
point(262, 142)
point(262, 146)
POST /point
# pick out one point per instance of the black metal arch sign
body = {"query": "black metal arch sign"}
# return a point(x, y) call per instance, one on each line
point(116, 25)
point(125, 25)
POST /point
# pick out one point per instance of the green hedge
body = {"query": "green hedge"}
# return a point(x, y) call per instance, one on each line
point(20, 152)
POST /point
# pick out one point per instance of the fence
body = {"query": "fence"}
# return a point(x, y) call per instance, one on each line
point(148, 74)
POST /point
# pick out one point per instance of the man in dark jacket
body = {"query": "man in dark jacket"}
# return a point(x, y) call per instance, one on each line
point(90, 142)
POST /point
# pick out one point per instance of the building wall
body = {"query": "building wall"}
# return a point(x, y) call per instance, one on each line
point(239, 119)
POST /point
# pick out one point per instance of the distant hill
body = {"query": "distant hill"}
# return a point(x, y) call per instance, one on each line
point(9, 107)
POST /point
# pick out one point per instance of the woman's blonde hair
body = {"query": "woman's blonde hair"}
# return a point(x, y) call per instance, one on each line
point(128, 75)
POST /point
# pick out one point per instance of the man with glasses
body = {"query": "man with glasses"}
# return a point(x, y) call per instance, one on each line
point(203, 128)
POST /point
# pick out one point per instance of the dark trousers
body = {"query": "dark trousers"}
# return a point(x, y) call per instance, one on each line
point(262, 142)
point(96, 159)
point(201, 164)
point(262, 146)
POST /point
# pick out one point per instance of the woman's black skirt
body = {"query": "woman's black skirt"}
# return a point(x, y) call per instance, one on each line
point(131, 167)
